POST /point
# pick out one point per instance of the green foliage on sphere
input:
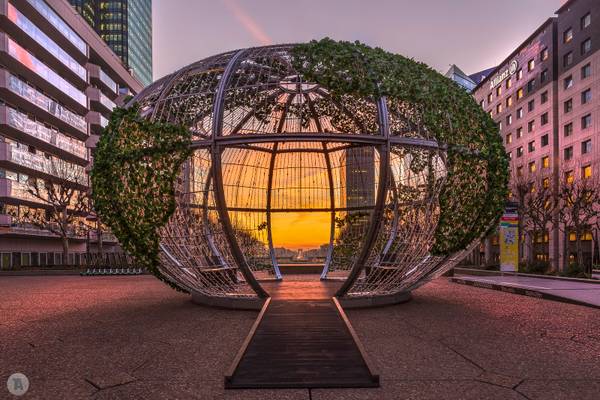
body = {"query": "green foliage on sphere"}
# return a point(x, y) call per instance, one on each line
point(473, 197)
point(133, 178)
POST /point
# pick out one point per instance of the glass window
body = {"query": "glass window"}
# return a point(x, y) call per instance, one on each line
point(586, 46)
point(520, 113)
point(546, 183)
point(568, 59)
point(41, 38)
point(544, 54)
point(545, 162)
point(531, 126)
point(531, 65)
point(532, 166)
point(520, 93)
point(544, 118)
point(520, 151)
point(568, 82)
point(29, 93)
point(509, 138)
point(586, 146)
point(509, 101)
point(544, 76)
point(586, 20)
point(531, 105)
point(490, 99)
point(519, 133)
point(544, 97)
point(509, 119)
point(482, 103)
point(520, 171)
point(586, 96)
point(499, 108)
point(531, 86)
point(568, 153)
point(568, 106)
point(41, 69)
point(499, 91)
point(568, 35)
point(519, 74)
point(59, 24)
point(569, 177)
point(586, 121)
point(586, 171)
point(531, 146)
point(568, 129)
point(586, 71)
point(544, 140)
point(509, 83)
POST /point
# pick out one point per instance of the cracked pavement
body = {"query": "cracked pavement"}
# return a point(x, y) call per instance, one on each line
point(134, 338)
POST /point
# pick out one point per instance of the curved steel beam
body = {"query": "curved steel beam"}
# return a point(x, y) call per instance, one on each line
point(332, 224)
point(269, 229)
point(376, 216)
point(217, 173)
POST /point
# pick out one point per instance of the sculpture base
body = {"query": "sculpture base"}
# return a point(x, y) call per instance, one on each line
point(378, 301)
point(235, 303)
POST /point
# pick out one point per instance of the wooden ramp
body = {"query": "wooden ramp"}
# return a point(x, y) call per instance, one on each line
point(301, 344)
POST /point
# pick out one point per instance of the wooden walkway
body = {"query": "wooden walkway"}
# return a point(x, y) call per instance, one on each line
point(301, 344)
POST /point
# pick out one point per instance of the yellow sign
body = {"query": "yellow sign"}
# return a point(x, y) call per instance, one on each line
point(509, 242)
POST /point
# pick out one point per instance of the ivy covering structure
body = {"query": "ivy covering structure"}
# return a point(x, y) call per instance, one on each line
point(405, 166)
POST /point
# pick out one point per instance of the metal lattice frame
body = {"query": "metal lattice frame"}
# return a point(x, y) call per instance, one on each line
point(265, 142)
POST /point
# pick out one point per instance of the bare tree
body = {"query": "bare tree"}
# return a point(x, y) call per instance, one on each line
point(520, 189)
point(540, 203)
point(64, 192)
point(579, 209)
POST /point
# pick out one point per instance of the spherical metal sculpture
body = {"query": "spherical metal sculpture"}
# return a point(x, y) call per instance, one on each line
point(267, 139)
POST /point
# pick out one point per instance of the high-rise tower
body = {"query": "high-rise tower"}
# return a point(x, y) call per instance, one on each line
point(126, 26)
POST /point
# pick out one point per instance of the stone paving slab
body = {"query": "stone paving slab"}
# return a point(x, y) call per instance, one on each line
point(554, 289)
point(135, 338)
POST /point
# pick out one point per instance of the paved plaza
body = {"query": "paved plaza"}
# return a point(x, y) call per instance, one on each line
point(135, 338)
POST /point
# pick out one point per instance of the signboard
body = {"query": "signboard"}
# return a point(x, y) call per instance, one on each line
point(509, 71)
point(509, 241)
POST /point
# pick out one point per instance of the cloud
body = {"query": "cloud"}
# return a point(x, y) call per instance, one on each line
point(248, 22)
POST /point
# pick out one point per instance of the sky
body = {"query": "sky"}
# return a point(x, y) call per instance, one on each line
point(474, 34)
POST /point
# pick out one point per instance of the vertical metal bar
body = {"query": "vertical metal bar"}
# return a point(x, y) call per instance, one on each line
point(377, 215)
point(269, 229)
point(217, 172)
point(332, 205)
point(311, 107)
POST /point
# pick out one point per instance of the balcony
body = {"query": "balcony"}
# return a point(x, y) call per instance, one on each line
point(99, 101)
point(20, 159)
point(21, 94)
point(97, 122)
point(17, 58)
point(102, 80)
point(23, 129)
point(34, 39)
point(51, 18)
point(13, 192)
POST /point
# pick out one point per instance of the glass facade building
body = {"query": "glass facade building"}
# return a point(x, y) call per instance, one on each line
point(126, 26)
point(58, 85)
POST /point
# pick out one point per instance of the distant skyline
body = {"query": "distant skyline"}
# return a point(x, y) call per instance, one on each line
point(473, 35)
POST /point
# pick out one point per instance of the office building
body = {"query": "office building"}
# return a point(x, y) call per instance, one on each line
point(545, 97)
point(458, 76)
point(126, 26)
point(58, 84)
